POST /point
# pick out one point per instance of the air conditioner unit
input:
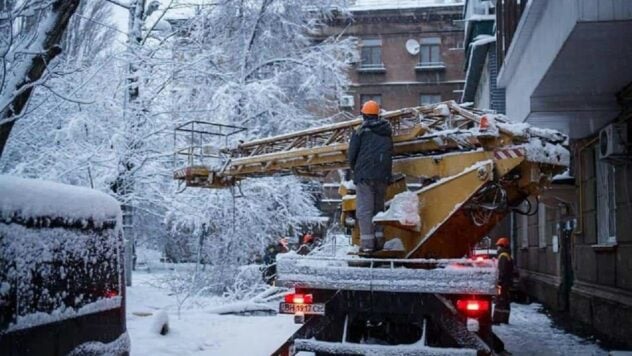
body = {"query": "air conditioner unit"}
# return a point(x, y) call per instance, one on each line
point(613, 142)
point(346, 101)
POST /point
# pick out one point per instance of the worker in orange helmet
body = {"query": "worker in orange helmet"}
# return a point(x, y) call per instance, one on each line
point(505, 280)
point(370, 159)
point(307, 245)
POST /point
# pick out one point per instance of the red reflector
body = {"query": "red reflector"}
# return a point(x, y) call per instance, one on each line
point(473, 307)
point(110, 294)
point(299, 298)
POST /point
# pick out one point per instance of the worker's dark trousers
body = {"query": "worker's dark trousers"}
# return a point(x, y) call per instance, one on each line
point(370, 201)
point(502, 309)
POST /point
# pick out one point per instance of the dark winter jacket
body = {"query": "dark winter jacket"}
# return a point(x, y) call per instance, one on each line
point(371, 150)
point(505, 268)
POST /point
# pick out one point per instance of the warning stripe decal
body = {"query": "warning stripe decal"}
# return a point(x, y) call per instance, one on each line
point(508, 153)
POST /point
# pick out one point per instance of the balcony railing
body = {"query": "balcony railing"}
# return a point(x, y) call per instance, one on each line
point(430, 66)
point(371, 67)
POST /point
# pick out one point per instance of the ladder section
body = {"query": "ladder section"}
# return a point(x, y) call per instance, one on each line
point(436, 128)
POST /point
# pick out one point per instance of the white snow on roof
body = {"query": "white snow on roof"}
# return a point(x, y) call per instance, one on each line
point(34, 198)
point(364, 5)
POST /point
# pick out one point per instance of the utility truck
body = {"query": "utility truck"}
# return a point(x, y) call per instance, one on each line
point(421, 294)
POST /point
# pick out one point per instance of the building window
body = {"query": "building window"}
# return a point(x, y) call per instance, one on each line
point(430, 52)
point(427, 99)
point(371, 52)
point(606, 201)
point(547, 224)
point(375, 97)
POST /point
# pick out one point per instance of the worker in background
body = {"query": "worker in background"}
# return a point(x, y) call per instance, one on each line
point(505, 280)
point(269, 259)
point(370, 159)
point(307, 245)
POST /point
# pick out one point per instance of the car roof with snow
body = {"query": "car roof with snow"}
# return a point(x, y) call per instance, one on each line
point(29, 200)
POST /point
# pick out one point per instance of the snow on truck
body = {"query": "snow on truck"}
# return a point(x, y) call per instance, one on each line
point(420, 295)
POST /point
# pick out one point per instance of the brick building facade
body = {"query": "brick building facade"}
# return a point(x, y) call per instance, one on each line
point(390, 73)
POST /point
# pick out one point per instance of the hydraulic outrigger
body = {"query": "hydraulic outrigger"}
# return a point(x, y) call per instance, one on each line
point(474, 167)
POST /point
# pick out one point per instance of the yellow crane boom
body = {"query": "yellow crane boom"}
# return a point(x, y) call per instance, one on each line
point(473, 165)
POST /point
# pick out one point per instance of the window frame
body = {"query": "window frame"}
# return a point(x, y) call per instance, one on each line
point(429, 44)
point(371, 45)
point(606, 201)
point(421, 102)
point(375, 97)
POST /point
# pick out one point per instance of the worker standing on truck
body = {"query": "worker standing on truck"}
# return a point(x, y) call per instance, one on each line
point(505, 280)
point(370, 158)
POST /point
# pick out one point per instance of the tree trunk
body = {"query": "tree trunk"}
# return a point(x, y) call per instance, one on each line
point(52, 28)
point(134, 119)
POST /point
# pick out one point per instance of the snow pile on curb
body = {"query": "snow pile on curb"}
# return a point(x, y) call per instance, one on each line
point(404, 208)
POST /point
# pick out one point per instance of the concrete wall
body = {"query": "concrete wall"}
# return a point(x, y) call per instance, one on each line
point(602, 293)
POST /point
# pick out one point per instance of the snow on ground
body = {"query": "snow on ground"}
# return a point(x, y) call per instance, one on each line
point(530, 331)
point(197, 331)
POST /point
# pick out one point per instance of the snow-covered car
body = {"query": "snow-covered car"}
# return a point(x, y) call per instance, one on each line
point(61, 272)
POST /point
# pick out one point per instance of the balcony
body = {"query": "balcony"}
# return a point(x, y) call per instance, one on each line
point(371, 68)
point(429, 66)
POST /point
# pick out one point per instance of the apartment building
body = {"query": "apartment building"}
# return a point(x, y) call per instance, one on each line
point(411, 52)
point(565, 64)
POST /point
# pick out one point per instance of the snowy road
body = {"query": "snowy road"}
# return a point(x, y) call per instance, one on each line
point(198, 332)
point(531, 332)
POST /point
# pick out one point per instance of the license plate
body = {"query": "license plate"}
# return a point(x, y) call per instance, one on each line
point(290, 308)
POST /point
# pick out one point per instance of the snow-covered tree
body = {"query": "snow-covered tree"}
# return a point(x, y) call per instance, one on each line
point(262, 69)
point(30, 36)
point(258, 64)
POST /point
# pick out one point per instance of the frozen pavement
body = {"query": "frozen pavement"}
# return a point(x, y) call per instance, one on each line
point(198, 332)
point(531, 332)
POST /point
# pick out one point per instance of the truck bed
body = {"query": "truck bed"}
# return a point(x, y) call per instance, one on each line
point(445, 276)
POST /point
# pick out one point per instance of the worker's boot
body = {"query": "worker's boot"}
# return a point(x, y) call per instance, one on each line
point(379, 240)
point(367, 243)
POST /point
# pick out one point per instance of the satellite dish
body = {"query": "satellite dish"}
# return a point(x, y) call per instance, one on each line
point(412, 46)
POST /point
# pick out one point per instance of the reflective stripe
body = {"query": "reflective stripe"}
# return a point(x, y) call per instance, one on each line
point(506, 254)
point(367, 237)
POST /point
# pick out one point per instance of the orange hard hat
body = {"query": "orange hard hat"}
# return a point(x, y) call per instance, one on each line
point(484, 124)
point(370, 108)
point(503, 241)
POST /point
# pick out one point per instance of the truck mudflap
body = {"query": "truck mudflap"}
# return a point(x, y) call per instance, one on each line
point(444, 276)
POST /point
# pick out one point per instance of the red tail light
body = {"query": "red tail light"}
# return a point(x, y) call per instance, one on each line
point(472, 308)
point(295, 298)
point(111, 293)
